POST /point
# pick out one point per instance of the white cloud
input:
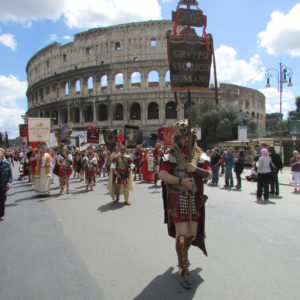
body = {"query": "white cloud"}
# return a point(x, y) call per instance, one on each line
point(282, 34)
point(8, 40)
point(53, 37)
point(82, 13)
point(11, 89)
point(10, 120)
point(237, 71)
point(67, 37)
point(273, 100)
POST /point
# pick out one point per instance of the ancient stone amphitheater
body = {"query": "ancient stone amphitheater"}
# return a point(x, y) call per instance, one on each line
point(117, 76)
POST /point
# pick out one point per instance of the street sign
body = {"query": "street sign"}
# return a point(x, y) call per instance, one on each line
point(294, 127)
point(188, 2)
point(189, 17)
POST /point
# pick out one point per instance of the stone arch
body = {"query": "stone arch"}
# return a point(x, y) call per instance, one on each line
point(153, 111)
point(253, 115)
point(135, 111)
point(135, 79)
point(64, 116)
point(102, 112)
point(88, 113)
point(54, 117)
point(170, 110)
point(118, 115)
point(119, 81)
point(103, 82)
point(153, 79)
point(75, 115)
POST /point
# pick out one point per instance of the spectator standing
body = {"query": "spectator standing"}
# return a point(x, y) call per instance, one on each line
point(215, 161)
point(264, 175)
point(276, 160)
point(295, 165)
point(5, 183)
point(238, 168)
point(229, 164)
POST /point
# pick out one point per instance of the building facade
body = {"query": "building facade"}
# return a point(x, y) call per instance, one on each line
point(117, 76)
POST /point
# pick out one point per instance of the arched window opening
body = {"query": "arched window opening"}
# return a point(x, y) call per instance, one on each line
point(54, 118)
point(75, 115)
point(171, 112)
point(247, 104)
point(103, 82)
point(257, 116)
point(46, 114)
point(136, 79)
point(41, 95)
point(186, 109)
point(78, 86)
point(153, 111)
point(253, 115)
point(119, 81)
point(135, 112)
point(102, 112)
point(64, 116)
point(168, 79)
point(153, 79)
point(91, 83)
point(41, 114)
point(67, 89)
point(119, 112)
point(88, 114)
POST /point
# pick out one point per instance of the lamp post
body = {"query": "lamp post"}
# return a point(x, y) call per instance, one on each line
point(281, 75)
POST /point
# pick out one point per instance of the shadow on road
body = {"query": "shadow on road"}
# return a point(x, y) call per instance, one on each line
point(263, 202)
point(167, 287)
point(111, 206)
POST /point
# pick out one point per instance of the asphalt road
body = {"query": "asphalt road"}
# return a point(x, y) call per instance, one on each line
point(84, 246)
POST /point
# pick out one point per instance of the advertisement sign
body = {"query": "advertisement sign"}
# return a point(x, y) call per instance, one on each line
point(39, 129)
point(242, 133)
point(198, 133)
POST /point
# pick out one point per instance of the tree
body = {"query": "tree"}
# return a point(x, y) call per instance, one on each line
point(220, 125)
point(295, 114)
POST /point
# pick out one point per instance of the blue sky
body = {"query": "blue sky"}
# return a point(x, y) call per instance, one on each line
point(249, 37)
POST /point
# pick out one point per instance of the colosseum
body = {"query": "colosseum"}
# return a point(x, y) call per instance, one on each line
point(117, 76)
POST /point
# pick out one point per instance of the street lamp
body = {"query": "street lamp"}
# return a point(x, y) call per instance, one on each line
point(281, 75)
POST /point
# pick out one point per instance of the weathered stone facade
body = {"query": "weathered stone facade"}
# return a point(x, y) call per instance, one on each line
point(115, 76)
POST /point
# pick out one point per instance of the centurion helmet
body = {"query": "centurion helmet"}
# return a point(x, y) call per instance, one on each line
point(181, 128)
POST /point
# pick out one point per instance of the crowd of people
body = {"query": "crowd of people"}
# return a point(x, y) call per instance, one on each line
point(183, 170)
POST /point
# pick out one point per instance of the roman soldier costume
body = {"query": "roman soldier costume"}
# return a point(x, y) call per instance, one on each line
point(122, 176)
point(138, 162)
point(90, 170)
point(180, 203)
point(157, 163)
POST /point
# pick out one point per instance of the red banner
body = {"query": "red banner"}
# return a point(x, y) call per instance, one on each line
point(93, 135)
point(23, 128)
point(165, 134)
